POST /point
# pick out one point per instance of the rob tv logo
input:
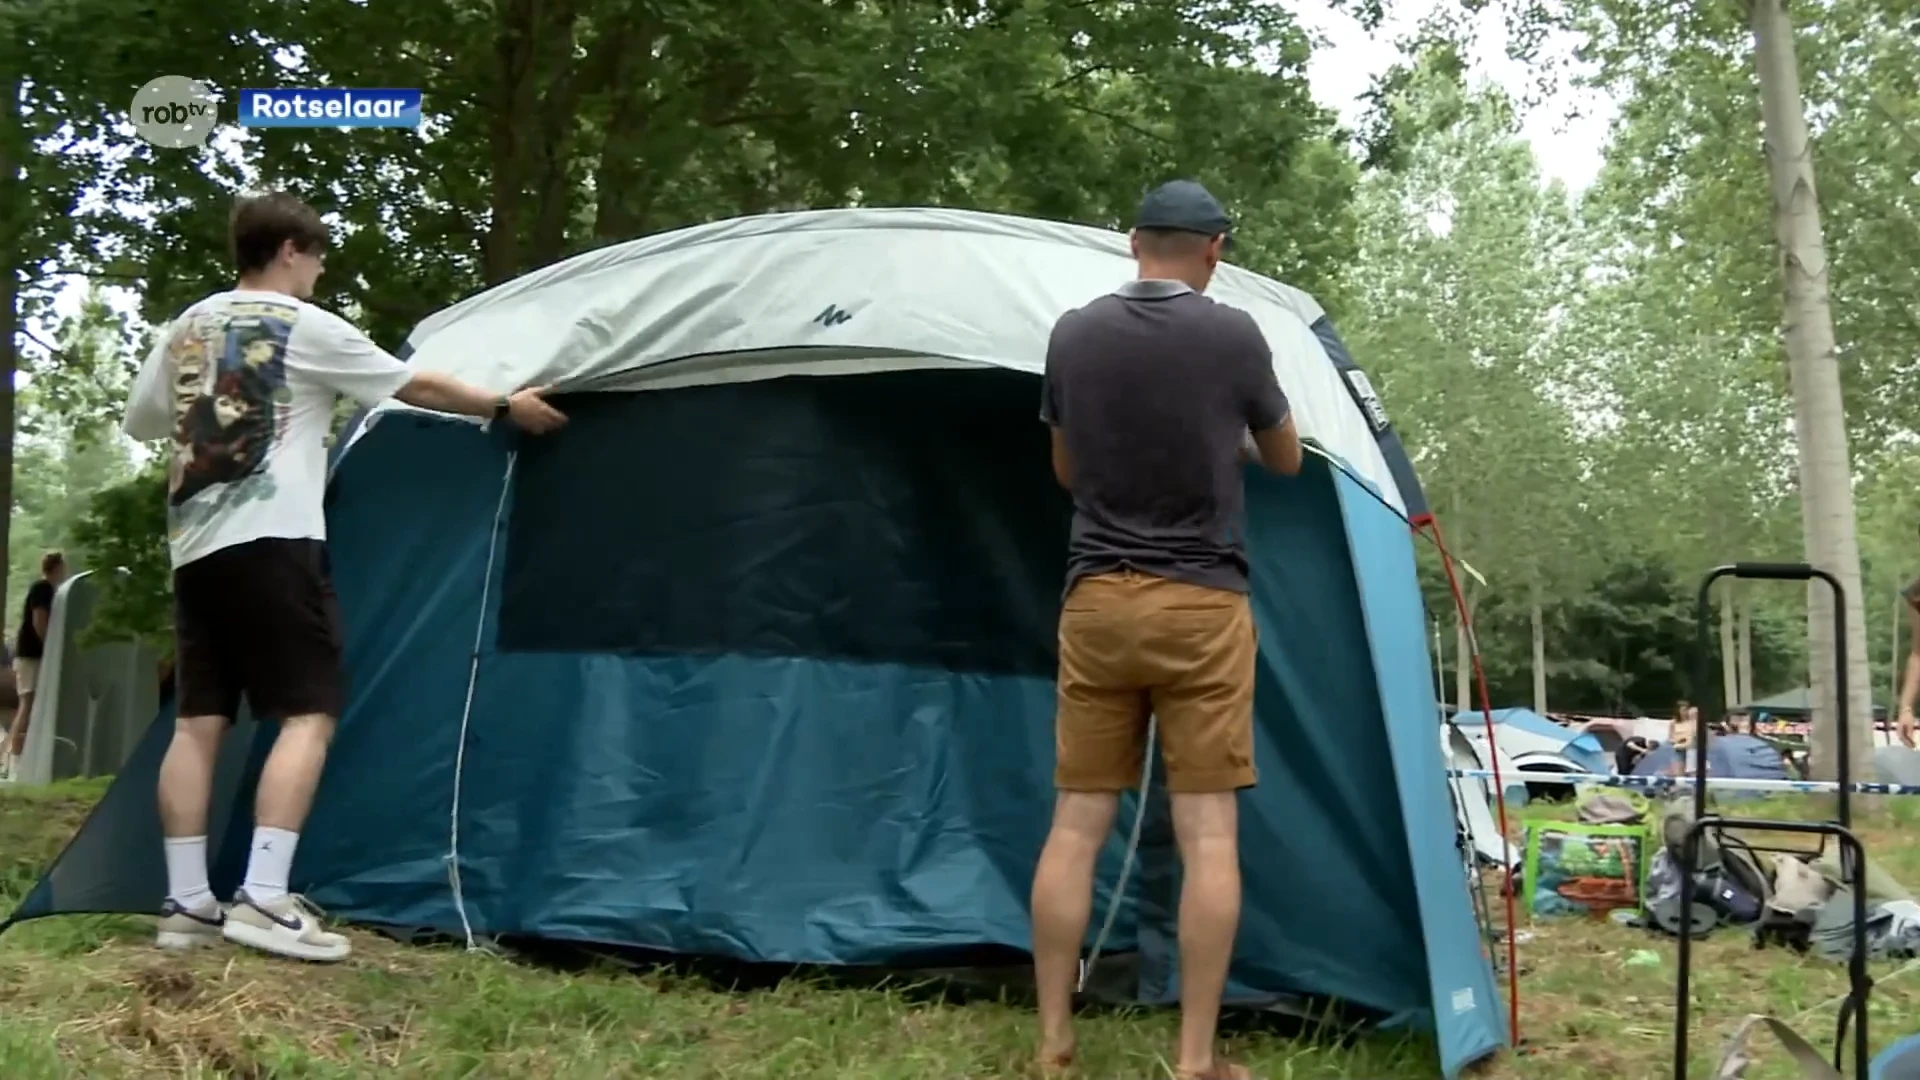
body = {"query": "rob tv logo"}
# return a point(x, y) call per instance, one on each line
point(174, 111)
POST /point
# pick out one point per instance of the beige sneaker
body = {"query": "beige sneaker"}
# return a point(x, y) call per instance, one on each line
point(189, 928)
point(289, 926)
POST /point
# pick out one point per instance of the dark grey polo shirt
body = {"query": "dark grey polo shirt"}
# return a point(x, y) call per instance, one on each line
point(1155, 388)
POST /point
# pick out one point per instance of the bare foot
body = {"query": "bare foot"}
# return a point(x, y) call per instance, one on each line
point(1054, 1060)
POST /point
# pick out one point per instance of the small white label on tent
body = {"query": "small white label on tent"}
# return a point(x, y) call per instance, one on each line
point(1463, 1000)
point(1363, 393)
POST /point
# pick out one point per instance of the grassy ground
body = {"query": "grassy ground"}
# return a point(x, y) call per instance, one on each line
point(88, 997)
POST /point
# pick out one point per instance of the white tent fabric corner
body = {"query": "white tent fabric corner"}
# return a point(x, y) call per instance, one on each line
point(1474, 806)
point(834, 292)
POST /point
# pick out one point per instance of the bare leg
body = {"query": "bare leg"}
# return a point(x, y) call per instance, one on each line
point(292, 772)
point(1208, 830)
point(186, 774)
point(17, 738)
point(1062, 904)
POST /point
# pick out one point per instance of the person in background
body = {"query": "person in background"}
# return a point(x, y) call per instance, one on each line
point(1686, 721)
point(1632, 749)
point(243, 384)
point(31, 646)
point(1156, 397)
point(12, 712)
point(1903, 726)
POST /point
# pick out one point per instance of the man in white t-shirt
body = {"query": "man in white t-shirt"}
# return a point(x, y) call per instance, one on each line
point(243, 383)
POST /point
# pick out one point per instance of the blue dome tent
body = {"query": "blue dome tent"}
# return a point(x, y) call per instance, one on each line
point(1731, 757)
point(754, 660)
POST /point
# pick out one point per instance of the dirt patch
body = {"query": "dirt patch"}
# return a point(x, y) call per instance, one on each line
point(166, 988)
point(233, 1016)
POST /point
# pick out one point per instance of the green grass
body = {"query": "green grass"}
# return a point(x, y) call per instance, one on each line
point(88, 996)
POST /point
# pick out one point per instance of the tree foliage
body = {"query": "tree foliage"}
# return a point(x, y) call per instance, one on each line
point(123, 538)
point(1592, 383)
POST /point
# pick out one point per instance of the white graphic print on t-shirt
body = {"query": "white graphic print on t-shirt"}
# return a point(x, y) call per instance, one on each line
point(244, 384)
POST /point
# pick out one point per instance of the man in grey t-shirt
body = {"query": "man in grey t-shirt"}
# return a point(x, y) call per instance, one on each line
point(1156, 396)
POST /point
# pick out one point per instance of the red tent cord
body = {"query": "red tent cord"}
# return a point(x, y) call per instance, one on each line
point(1428, 521)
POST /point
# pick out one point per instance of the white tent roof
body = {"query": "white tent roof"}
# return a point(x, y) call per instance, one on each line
point(844, 291)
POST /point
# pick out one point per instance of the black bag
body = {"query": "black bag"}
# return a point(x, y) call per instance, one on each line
point(1726, 894)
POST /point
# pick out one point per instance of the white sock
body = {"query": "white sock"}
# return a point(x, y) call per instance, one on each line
point(270, 863)
point(187, 872)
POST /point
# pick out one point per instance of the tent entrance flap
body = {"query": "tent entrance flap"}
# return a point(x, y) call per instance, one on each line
point(903, 517)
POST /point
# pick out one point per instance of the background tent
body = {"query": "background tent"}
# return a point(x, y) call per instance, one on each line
point(1897, 765)
point(1611, 733)
point(1536, 743)
point(755, 659)
point(1735, 757)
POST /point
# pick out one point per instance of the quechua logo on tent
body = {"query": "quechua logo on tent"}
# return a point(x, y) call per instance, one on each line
point(833, 316)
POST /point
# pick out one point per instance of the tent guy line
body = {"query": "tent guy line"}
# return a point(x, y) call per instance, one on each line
point(1126, 864)
point(1670, 783)
point(466, 711)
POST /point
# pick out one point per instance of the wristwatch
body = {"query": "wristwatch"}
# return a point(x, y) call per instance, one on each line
point(501, 408)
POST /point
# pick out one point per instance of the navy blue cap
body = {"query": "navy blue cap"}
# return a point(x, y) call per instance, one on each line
point(1183, 206)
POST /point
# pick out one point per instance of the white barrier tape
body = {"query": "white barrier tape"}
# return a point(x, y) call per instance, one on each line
point(1670, 783)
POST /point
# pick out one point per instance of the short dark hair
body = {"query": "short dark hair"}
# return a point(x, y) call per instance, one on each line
point(262, 223)
point(1171, 243)
point(51, 561)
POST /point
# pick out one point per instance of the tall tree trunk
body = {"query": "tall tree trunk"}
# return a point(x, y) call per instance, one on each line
point(13, 227)
point(510, 124)
point(1463, 664)
point(625, 178)
point(1819, 414)
point(1744, 631)
point(1729, 655)
point(1463, 646)
point(552, 177)
point(533, 118)
point(1539, 622)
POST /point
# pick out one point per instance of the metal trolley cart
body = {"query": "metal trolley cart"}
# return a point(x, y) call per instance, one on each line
point(1853, 860)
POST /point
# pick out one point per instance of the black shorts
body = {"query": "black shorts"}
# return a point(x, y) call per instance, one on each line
point(258, 619)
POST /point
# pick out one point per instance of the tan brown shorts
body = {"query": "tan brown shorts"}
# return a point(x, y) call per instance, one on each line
point(1132, 646)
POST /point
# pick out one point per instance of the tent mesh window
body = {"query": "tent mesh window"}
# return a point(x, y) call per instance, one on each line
point(902, 517)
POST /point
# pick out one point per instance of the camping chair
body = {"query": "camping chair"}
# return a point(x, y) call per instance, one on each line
point(1853, 859)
